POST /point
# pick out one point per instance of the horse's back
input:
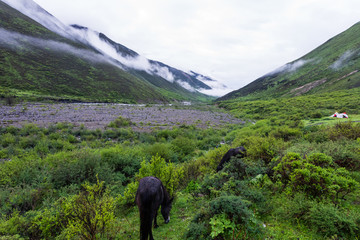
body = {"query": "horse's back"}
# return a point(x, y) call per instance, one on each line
point(149, 191)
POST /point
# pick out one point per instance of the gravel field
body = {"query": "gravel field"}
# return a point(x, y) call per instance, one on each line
point(99, 115)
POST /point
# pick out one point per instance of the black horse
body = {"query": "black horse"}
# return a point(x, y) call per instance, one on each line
point(241, 151)
point(149, 196)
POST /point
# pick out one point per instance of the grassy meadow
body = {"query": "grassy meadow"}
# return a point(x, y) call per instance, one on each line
point(300, 178)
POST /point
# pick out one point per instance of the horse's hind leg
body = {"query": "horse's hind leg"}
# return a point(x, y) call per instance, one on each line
point(155, 222)
point(151, 236)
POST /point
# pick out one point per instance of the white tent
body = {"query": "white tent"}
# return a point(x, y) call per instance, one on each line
point(340, 115)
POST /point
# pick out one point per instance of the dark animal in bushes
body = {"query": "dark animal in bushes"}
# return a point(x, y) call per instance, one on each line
point(241, 151)
point(149, 196)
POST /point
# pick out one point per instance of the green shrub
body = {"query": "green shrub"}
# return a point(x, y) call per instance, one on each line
point(320, 159)
point(123, 160)
point(170, 175)
point(7, 139)
point(347, 130)
point(87, 215)
point(316, 114)
point(205, 164)
point(120, 122)
point(286, 133)
point(197, 231)
point(212, 184)
point(261, 148)
point(292, 208)
point(183, 146)
point(76, 167)
point(332, 222)
point(226, 217)
point(286, 166)
point(162, 149)
point(167, 134)
point(344, 152)
point(315, 181)
point(28, 142)
point(15, 226)
point(29, 129)
point(243, 168)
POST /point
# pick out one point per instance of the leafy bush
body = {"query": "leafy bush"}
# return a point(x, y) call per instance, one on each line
point(286, 133)
point(120, 122)
point(14, 227)
point(170, 175)
point(243, 168)
point(261, 148)
point(332, 222)
point(162, 149)
point(347, 130)
point(314, 180)
point(226, 217)
point(76, 167)
point(7, 139)
point(212, 184)
point(286, 166)
point(207, 163)
point(322, 183)
point(321, 160)
point(123, 160)
point(344, 152)
point(292, 208)
point(88, 215)
point(183, 146)
point(197, 231)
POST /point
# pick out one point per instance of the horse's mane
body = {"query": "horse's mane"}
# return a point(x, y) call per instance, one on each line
point(166, 194)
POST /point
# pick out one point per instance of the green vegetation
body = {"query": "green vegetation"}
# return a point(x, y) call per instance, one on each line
point(298, 180)
point(309, 107)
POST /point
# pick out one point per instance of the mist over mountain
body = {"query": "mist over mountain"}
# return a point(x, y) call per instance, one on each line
point(93, 47)
point(330, 67)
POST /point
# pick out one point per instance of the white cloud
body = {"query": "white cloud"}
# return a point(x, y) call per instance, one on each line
point(15, 40)
point(186, 85)
point(339, 63)
point(291, 67)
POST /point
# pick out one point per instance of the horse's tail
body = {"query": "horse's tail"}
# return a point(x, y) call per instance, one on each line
point(145, 225)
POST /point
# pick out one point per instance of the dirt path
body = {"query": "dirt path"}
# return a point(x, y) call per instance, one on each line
point(98, 116)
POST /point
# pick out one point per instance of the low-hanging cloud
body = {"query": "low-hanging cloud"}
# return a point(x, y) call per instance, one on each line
point(290, 67)
point(186, 85)
point(138, 62)
point(343, 59)
point(14, 40)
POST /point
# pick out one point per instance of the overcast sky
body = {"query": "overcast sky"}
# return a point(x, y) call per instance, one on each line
point(233, 41)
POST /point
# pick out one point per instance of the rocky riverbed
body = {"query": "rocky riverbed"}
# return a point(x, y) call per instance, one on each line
point(99, 115)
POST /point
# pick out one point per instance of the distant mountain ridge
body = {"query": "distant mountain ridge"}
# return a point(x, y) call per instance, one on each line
point(159, 82)
point(334, 65)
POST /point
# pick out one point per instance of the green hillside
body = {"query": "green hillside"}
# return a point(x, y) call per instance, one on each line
point(36, 63)
point(332, 66)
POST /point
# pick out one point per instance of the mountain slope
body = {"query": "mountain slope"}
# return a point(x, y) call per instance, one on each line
point(38, 61)
point(133, 61)
point(61, 63)
point(332, 66)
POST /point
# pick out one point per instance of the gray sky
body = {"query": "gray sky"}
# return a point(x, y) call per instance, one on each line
point(233, 41)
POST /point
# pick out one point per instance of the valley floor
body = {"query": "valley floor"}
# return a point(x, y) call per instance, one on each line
point(99, 115)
